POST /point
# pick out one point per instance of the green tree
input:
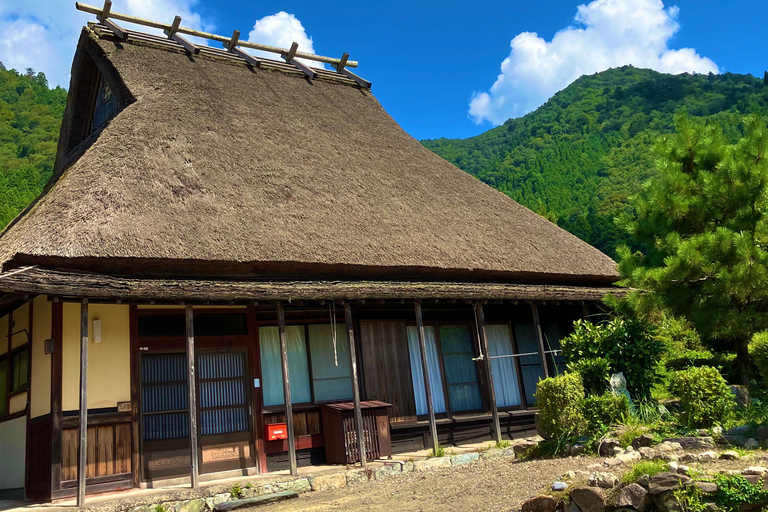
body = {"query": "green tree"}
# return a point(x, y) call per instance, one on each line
point(703, 223)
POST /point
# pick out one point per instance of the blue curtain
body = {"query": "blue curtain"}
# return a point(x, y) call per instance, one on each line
point(504, 372)
point(271, 367)
point(435, 375)
point(331, 382)
point(530, 366)
point(460, 369)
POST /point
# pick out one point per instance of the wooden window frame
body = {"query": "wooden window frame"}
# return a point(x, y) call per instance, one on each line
point(8, 356)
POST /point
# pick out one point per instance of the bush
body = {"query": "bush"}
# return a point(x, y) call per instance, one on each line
point(594, 372)
point(602, 411)
point(705, 399)
point(559, 400)
point(758, 351)
point(628, 345)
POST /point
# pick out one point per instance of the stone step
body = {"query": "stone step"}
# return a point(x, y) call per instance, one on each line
point(227, 506)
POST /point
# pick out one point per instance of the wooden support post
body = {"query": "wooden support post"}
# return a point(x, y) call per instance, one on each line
point(539, 337)
point(250, 59)
point(584, 308)
point(192, 394)
point(233, 42)
point(351, 75)
point(286, 389)
point(342, 62)
point(480, 315)
point(82, 452)
point(425, 371)
point(289, 58)
point(355, 386)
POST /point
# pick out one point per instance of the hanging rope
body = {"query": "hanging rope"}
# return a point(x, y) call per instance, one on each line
point(479, 343)
point(332, 312)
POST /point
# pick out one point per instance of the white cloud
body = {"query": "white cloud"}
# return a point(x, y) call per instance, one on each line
point(43, 34)
point(606, 33)
point(282, 30)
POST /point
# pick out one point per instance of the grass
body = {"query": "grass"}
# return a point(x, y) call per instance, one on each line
point(440, 452)
point(647, 467)
point(500, 445)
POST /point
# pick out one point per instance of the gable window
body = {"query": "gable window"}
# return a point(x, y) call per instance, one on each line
point(314, 373)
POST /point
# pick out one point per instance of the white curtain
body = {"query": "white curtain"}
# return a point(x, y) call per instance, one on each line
point(435, 375)
point(271, 366)
point(504, 372)
point(331, 382)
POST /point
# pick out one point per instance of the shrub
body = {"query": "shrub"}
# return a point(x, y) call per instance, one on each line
point(758, 351)
point(559, 400)
point(705, 399)
point(734, 492)
point(602, 411)
point(628, 345)
point(594, 372)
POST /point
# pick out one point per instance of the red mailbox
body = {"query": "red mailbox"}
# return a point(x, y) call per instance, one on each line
point(276, 431)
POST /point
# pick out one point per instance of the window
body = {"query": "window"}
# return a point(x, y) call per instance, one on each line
point(205, 324)
point(327, 380)
point(530, 365)
point(433, 365)
point(460, 369)
point(17, 364)
point(331, 377)
point(503, 366)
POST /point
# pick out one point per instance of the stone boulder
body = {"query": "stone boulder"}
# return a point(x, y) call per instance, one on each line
point(664, 482)
point(706, 487)
point(540, 504)
point(607, 447)
point(588, 499)
point(708, 456)
point(603, 480)
point(667, 502)
point(644, 441)
point(635, 497)
point(692, 443)
point(730, 455)
point(523, 446)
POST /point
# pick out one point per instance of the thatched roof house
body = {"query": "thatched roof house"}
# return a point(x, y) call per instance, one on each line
point(198, 180)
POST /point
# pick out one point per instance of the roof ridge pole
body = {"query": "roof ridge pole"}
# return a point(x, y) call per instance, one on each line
point(480, 316)
point(82, 452)
point(192, 399)
point(425, 372)
point(286, 388)
point(355, 384)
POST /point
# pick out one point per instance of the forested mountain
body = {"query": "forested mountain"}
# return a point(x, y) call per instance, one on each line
point(30, 117)
point(578, 157)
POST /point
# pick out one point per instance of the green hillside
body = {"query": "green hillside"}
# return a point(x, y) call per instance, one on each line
point(578, 157)
point(30, 117)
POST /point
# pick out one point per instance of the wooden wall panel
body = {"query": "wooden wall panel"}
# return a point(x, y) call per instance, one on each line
point(305, 423)
point(387, 367)
point(109, 451)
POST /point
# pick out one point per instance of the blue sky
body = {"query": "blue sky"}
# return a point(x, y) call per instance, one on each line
point(437, 66)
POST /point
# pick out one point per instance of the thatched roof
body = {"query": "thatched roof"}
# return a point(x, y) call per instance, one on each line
point(104, 287)
point(215, 168)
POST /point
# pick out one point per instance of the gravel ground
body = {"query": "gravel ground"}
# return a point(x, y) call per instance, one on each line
point(489, 485)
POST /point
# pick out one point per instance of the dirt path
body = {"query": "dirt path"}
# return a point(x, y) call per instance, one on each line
point(493, 485)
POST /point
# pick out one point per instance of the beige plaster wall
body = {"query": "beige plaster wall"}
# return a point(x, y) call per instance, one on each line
point(40, 371)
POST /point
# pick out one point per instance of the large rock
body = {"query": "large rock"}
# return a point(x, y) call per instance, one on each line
point(667, 482)
point(648, 453)
point(634, 496)
point(603, 480)
point(196, 505)
point(540, 504)
point(693, 443)
point(708, 456)
point(430, 464)
point(385, 471)
point(644, 441)
point(755, 470)
point(491, 453)
point(588, 499)
point(667, 502)
point(629, 457)
point(762, 434)
point(326, 482)
point(706, 487)
point(464, 458)
point(298, 486)
point(730, 455)
point(523, 446)
point(751, 444)
point(607, 447)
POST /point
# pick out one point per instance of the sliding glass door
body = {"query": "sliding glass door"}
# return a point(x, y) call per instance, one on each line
point(461, 377)
point(435, 373)
point(503, 366)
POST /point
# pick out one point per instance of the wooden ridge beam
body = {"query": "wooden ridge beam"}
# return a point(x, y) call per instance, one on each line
point(207, 35)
